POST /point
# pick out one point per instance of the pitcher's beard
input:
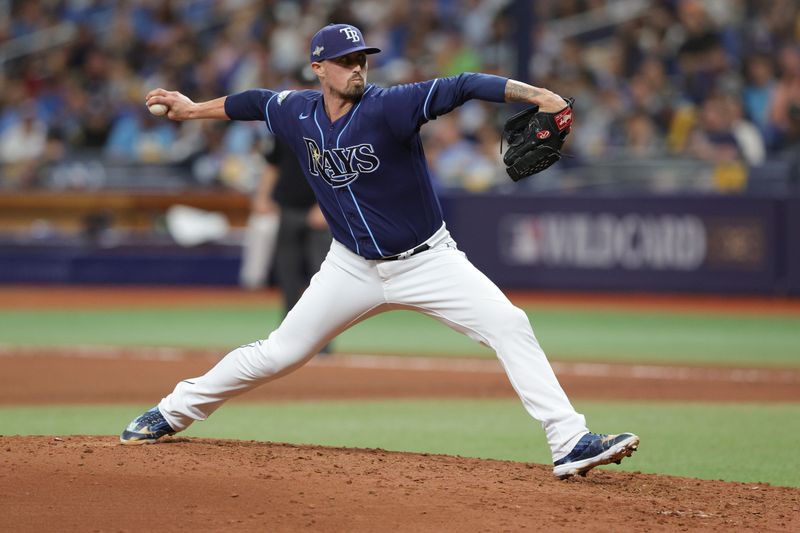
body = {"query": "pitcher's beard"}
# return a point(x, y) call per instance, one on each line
point(352, 93)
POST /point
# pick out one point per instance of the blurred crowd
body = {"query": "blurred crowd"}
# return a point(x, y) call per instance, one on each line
point(715, 80)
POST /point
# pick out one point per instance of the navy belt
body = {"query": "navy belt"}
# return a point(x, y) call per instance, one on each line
point(405, 255)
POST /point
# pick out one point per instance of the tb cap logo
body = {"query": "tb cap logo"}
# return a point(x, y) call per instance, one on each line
point(336, 40)
point(350, 33)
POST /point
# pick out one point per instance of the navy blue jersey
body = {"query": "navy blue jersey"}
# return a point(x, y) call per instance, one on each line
point(368, 168)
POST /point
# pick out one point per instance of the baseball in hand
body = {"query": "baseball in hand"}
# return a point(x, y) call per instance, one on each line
point(158, 109)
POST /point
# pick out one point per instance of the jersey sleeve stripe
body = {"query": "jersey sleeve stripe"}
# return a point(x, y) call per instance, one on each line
point(427, 99)
point(266, 113)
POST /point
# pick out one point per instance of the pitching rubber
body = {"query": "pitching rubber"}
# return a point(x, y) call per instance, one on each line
point(615, 454)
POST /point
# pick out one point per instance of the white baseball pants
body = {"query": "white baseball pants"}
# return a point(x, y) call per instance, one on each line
point(439, 282)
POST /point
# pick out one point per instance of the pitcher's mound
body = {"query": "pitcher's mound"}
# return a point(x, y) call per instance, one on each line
point(90, 483)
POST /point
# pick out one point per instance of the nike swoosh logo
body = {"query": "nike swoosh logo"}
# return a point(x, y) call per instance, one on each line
point(302, 116)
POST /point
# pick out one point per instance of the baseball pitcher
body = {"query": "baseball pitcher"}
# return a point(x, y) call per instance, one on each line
point(359, 146)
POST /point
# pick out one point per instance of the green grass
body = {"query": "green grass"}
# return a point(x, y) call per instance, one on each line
point(735, 442)
point(202, 327)
point(566, 334)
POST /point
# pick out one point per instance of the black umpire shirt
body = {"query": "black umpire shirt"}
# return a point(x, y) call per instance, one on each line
point(291, 189)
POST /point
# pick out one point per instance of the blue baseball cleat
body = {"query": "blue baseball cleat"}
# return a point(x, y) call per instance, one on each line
point(146, 428)
point(593, 450)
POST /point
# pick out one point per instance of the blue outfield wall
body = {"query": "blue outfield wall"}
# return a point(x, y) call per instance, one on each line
point(699, 243)
point(687, 244)
point(171, 265)
point(791, 250)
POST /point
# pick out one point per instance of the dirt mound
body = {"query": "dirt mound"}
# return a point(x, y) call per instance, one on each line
point(94, 484)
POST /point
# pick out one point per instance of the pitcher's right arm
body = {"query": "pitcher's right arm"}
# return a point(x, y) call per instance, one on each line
point(182, 108)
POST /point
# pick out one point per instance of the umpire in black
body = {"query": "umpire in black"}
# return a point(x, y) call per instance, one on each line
point(303, 235)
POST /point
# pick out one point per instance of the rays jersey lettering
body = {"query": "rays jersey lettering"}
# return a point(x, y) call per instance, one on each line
point(341, 166)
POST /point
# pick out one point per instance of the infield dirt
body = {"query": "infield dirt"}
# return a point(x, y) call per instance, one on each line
point(33, 376)
point(94, 484)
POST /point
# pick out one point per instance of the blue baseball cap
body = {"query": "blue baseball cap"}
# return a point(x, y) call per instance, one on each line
point(336, 40)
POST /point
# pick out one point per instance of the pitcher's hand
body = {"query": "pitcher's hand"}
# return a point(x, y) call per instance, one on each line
point(180, 106)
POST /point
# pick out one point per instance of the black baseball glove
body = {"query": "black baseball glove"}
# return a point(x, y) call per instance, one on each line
point(535, 139)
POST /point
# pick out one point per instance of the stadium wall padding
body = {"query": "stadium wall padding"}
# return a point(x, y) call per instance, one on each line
point(667, 243)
